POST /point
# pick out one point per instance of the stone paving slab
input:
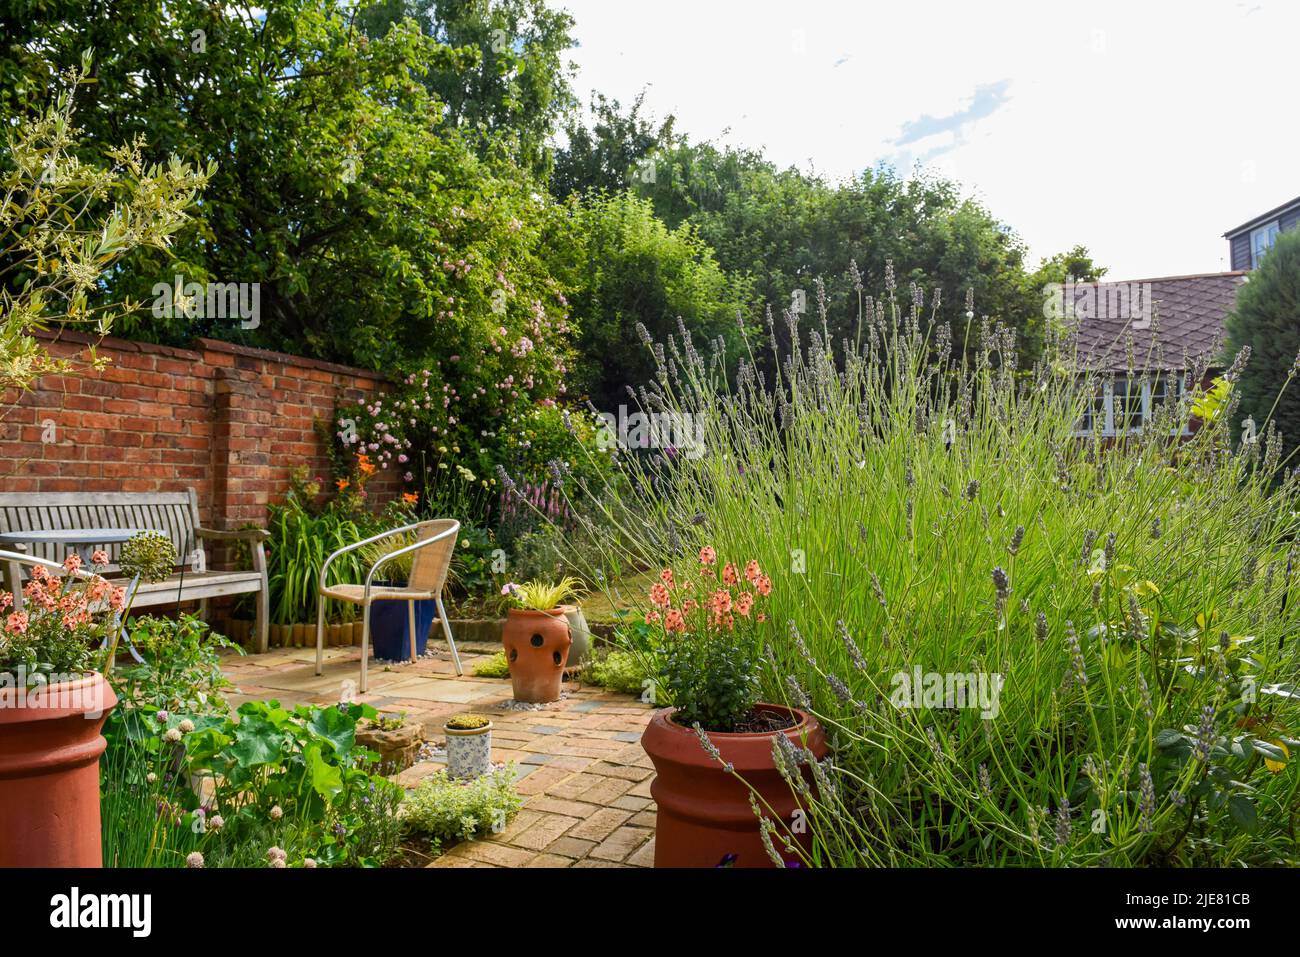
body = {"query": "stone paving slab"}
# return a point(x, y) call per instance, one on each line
point(581, 770)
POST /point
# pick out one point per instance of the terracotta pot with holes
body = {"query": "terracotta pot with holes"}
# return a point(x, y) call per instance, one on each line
point(49, 773)
point(703, 815)
point(537, 649)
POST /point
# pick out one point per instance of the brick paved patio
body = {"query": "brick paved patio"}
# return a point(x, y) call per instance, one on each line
point(582, 772)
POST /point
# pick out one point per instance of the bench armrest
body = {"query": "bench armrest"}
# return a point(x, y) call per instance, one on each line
point(244, 534)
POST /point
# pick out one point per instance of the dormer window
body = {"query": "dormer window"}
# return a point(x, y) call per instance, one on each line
point(1261, 241)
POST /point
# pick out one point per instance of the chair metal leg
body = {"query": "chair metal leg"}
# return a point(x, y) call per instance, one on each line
point(365, 644)
point(320, 633)
point(410, 617)
point(446, 630)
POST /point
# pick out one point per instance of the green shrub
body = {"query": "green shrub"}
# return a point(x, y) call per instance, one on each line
point(446, 810)
point(181, 670)
point(1264, 319)
point(494, 667)
point(1124, 608)
point(617, 670)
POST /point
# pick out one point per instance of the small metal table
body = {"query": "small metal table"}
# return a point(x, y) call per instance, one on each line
point(84, 541)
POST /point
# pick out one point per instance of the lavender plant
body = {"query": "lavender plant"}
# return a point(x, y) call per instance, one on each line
point(1028, 645)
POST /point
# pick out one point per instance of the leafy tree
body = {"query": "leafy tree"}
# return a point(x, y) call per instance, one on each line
point(1267, 319)
point(377, 233)
point(66, 223)
point(786, 229)
point(637, 270)
point(511, 80)
point(608, 155)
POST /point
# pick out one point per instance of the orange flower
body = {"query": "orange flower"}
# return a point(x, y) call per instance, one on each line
point(342, 484)
point(729, 575)
point(761, 618)
point(708, 555)
point(674, 621)
point(651, 617)
point(410, 498)
point(365, 465)
point(744, 603)
point(763, 585)
point(752, 571)
point(689, 605)
point(659, 595)
point(666, 576)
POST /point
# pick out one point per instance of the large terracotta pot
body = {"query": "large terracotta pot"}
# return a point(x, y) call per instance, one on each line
point(49, 773)
point(703, 813)
point(537, 648)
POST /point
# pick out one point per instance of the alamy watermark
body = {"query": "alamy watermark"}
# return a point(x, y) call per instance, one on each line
point(19, 689)
point(671, 431)
point(976, 690)
point(213, 300)
point(1128, 301)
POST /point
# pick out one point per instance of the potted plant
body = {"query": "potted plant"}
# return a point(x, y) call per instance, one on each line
point(469, 745)
point(719, 794)
point(536, 637)
point(395, 741)
point(52, 708)
point(390, 627)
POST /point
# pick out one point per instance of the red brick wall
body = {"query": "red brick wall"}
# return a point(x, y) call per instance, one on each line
point(228, 421)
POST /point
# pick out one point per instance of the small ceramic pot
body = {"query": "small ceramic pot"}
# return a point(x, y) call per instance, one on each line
point(469, 751)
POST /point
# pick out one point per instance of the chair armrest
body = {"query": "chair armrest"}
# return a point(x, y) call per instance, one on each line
point(355, 545)
point(243, 534)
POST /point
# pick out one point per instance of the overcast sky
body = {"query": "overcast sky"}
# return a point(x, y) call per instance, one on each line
point(1143, 130)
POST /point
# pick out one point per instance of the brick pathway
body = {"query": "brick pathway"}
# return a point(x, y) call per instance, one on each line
point(582, 772)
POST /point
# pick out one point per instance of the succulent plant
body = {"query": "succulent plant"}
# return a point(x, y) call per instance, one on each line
point(468, 722)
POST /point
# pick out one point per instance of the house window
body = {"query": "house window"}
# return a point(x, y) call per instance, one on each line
point(1127, 404)
point(1261, 241)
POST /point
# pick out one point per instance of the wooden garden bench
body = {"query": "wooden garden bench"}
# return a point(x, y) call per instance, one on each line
point(175, 514)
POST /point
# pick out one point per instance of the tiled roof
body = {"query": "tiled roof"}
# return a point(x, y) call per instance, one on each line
point(1187, 320)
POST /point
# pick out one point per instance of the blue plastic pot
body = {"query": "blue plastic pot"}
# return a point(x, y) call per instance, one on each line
point(390, 633)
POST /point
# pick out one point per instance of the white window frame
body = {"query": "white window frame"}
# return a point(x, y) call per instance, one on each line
point(1173, 382)
point(1268, 234)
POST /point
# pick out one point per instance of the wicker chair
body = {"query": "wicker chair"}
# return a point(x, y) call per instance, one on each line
point(434, 544)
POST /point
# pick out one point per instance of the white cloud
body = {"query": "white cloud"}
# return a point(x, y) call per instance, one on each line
point(1142, 130)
